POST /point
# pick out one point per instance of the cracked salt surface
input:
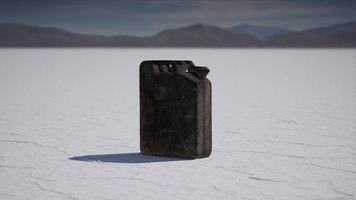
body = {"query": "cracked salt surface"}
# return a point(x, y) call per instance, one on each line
point(283, 126)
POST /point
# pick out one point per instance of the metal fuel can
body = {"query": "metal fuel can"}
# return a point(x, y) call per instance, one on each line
point(175, 109)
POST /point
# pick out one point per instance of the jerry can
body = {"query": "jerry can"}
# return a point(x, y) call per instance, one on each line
point(175, 109)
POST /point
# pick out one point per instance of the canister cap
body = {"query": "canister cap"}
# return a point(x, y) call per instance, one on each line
point(199, 71)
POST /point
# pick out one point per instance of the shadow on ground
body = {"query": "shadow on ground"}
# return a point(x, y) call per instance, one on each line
point(123, 158)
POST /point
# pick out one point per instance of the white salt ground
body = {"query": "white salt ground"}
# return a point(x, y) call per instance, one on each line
point(283, 126)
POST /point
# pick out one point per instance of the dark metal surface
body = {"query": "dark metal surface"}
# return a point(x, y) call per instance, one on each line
point(175, 109)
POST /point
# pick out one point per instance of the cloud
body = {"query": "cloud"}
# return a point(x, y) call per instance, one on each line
point(235, 10)
point(145, 17)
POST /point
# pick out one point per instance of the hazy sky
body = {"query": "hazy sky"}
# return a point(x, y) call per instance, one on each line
point(146, 17)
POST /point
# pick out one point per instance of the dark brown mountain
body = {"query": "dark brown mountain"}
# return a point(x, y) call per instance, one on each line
point(339, 35)
point(26, 35)
point(36, 36)
point(198, 35)
point(192, 36)
point(261, 32)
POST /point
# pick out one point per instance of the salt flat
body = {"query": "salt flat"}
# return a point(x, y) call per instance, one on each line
point(283, 126)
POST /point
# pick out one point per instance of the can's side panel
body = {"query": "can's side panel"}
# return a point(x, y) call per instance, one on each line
point(208, 119)
point(204, 144)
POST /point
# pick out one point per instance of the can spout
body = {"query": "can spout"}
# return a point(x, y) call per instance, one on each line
point(199, 71)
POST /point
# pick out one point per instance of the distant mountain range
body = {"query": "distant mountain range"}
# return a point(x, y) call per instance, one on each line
point(261, 32)
point(198, 35)
point(339, 35)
